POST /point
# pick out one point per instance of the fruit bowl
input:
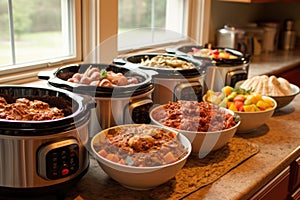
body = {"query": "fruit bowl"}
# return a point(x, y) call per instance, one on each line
point(253, 120)
point(252, 116)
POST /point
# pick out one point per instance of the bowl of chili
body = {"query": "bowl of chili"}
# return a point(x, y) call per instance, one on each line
point(207, 126)
point(140, 156)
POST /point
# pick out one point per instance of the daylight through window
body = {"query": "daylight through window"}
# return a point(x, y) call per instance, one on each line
point(35, 31)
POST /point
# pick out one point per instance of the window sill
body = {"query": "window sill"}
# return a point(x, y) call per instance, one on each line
point(31, 76)
point(24, 77)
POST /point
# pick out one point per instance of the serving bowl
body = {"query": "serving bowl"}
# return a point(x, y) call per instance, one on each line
point(281, 101)
point(202, 142)
point(140, 177)
point(249, 121)
point(285, 100)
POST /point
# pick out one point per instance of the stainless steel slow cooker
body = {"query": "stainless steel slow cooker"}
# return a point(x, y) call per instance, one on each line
point(170, 84)
point(219, 72)
point(41, 157)
point(115, 105)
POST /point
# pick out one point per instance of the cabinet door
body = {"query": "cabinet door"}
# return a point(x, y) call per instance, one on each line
point(292, 76)
point(296, 195)
point(261, 1)
point(255, 1)
point(278, 188)
point(295, 175)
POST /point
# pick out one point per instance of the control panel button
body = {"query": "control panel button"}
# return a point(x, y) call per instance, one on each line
point(58, 160)
point(65, 172)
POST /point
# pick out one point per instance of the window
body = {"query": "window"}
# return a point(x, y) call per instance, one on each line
point(37, 33)
point(151, 22)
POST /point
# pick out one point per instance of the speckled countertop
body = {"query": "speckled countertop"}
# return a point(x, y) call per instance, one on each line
point(278, 141)
point(274, 63)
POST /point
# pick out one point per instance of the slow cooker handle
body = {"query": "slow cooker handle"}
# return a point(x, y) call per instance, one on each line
point(119, 61)
point(171, 50)
point(150, 72)
point(46, 75)
point(88, 102)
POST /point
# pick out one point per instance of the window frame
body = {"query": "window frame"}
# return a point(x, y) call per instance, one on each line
point(26, 70)
point(105, 32)
point(93, 30)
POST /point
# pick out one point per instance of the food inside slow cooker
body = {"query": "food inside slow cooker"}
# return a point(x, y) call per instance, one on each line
point(195, 116)
point(96, 77)
point(141, 146)
point(27, 110)
point(212, 53)
point(162, 61)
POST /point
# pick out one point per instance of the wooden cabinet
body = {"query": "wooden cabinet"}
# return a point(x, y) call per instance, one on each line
point(285, 186)
point(252, 1)
point(260, 1)
point(295, 179)
point(292, 76)
point(278, 188)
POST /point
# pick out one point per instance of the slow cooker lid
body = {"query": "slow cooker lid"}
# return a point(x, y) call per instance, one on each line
point(167, 72)
point(75, 108)
point(64, 73)
point(241, 58)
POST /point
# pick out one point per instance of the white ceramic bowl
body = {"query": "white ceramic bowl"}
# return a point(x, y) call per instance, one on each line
point(202, 142)
point(285, 100)
point(253, 120)
point(140, 178)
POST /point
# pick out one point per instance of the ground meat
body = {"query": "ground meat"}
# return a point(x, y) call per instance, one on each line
point(141, 146)
point(26, 110)
point(196, 116)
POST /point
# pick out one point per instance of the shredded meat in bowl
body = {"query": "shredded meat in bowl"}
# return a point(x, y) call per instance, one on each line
point(194, 116)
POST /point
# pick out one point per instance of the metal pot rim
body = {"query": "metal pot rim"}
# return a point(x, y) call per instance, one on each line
point(121, 91)
point(164, 72)
point(77, 106)
point(242, 58)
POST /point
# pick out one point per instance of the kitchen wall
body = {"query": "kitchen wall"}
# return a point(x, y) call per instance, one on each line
point(240, 14)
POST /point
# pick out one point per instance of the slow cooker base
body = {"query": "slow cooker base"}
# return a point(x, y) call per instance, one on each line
point(53, 192)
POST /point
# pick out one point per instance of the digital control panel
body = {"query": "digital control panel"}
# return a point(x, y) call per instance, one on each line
point(235, 76)
point(188, 91)
point(59, 159)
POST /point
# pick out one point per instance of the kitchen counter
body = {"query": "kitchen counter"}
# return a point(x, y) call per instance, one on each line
point(278, 141)
point(274, 63)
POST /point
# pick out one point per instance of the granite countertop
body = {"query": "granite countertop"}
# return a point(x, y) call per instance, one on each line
point(274, 63)
point(278, 142)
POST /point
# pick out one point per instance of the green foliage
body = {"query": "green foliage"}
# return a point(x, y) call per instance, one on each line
point(31, 16)
point(137, 13)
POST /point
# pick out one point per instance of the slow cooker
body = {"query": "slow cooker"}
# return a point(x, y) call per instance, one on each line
point(49, 156)
point(219, 72)
point(115, 105)
point(170, 84)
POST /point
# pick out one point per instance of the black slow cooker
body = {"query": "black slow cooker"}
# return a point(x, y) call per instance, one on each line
point(115, 105)
point(171, 84)
point(42, 157)
point(219, 71)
